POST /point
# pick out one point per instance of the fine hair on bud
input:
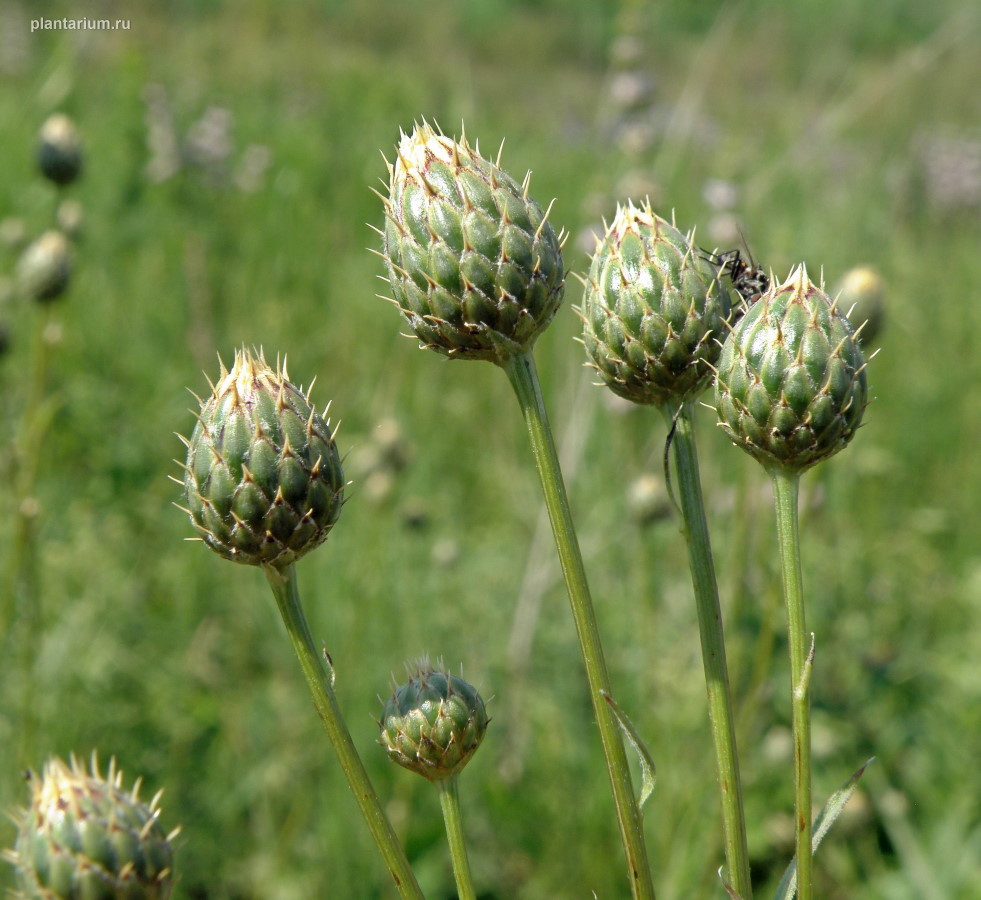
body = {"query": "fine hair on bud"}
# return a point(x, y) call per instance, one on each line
point(472, 261)
point(263, 480)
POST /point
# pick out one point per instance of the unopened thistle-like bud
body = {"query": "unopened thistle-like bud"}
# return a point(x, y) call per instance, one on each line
point(791, 385)
point(433, 723)
point(861, 295)
point(263, 480)
point(45, 267)
point(653, 310)
point(474, 266)
point(86, 838)
point(59, 150)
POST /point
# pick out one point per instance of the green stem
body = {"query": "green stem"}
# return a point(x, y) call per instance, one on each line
point(720, 708)
point(449, 799)
point(785, 493)
point(22, 611)
point(523, 375)
point(320, 681)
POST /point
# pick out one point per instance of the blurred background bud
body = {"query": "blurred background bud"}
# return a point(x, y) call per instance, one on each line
point(45, 267)
point(59, 151)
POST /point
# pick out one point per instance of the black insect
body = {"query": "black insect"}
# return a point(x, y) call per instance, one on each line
point(749, 279)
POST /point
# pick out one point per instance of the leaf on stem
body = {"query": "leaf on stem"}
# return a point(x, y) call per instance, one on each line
point(730, 890)
point(822, 824)
point(648, 770)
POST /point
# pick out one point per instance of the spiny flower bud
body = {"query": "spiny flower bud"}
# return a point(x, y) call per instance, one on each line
point(861, 295)
point(263, 479)
point(45, 267)
point(473, 263)
point(59, 151)
point(433, 723)
point(653, 310)
point(85, 838)
point(791, 385)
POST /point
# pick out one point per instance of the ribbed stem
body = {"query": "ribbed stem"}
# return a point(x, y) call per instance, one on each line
point(785, 494)
point(320, 681)
point(720, 708)
point(449, 799)
point(523, 375)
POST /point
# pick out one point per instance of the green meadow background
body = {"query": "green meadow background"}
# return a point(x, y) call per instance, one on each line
point(230, 149)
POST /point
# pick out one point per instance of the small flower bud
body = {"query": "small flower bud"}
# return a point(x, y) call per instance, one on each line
point(861, 296)
point(59, 152)
point(45, 267)
point(433, 723)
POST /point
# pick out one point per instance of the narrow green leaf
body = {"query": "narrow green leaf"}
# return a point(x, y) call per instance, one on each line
point(730, 890)
point(832, 809)
point(648, 771)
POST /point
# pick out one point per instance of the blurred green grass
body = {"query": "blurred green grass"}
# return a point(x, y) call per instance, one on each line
point(158, 653)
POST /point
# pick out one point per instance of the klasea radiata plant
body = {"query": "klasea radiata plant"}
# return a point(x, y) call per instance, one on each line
point(653, 311)
point(432, 725)
point(476, 270)
point(791, 391)
point(264, 486)
point(85, 836)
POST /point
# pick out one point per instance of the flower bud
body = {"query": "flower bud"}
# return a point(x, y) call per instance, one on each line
point(45, 267)
point(791, 386)
point(59, 151)
point(263, 479)
point(473, 263)
point(861, 296)
point(83, 836)
point(653, 310)
point(433, 723)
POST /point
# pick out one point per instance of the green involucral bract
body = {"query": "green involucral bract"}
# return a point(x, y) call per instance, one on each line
point(474, 266)
point(85, 838)
point(433, 723)
point(263, 480)
point(654, 311)
point(791, 387)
